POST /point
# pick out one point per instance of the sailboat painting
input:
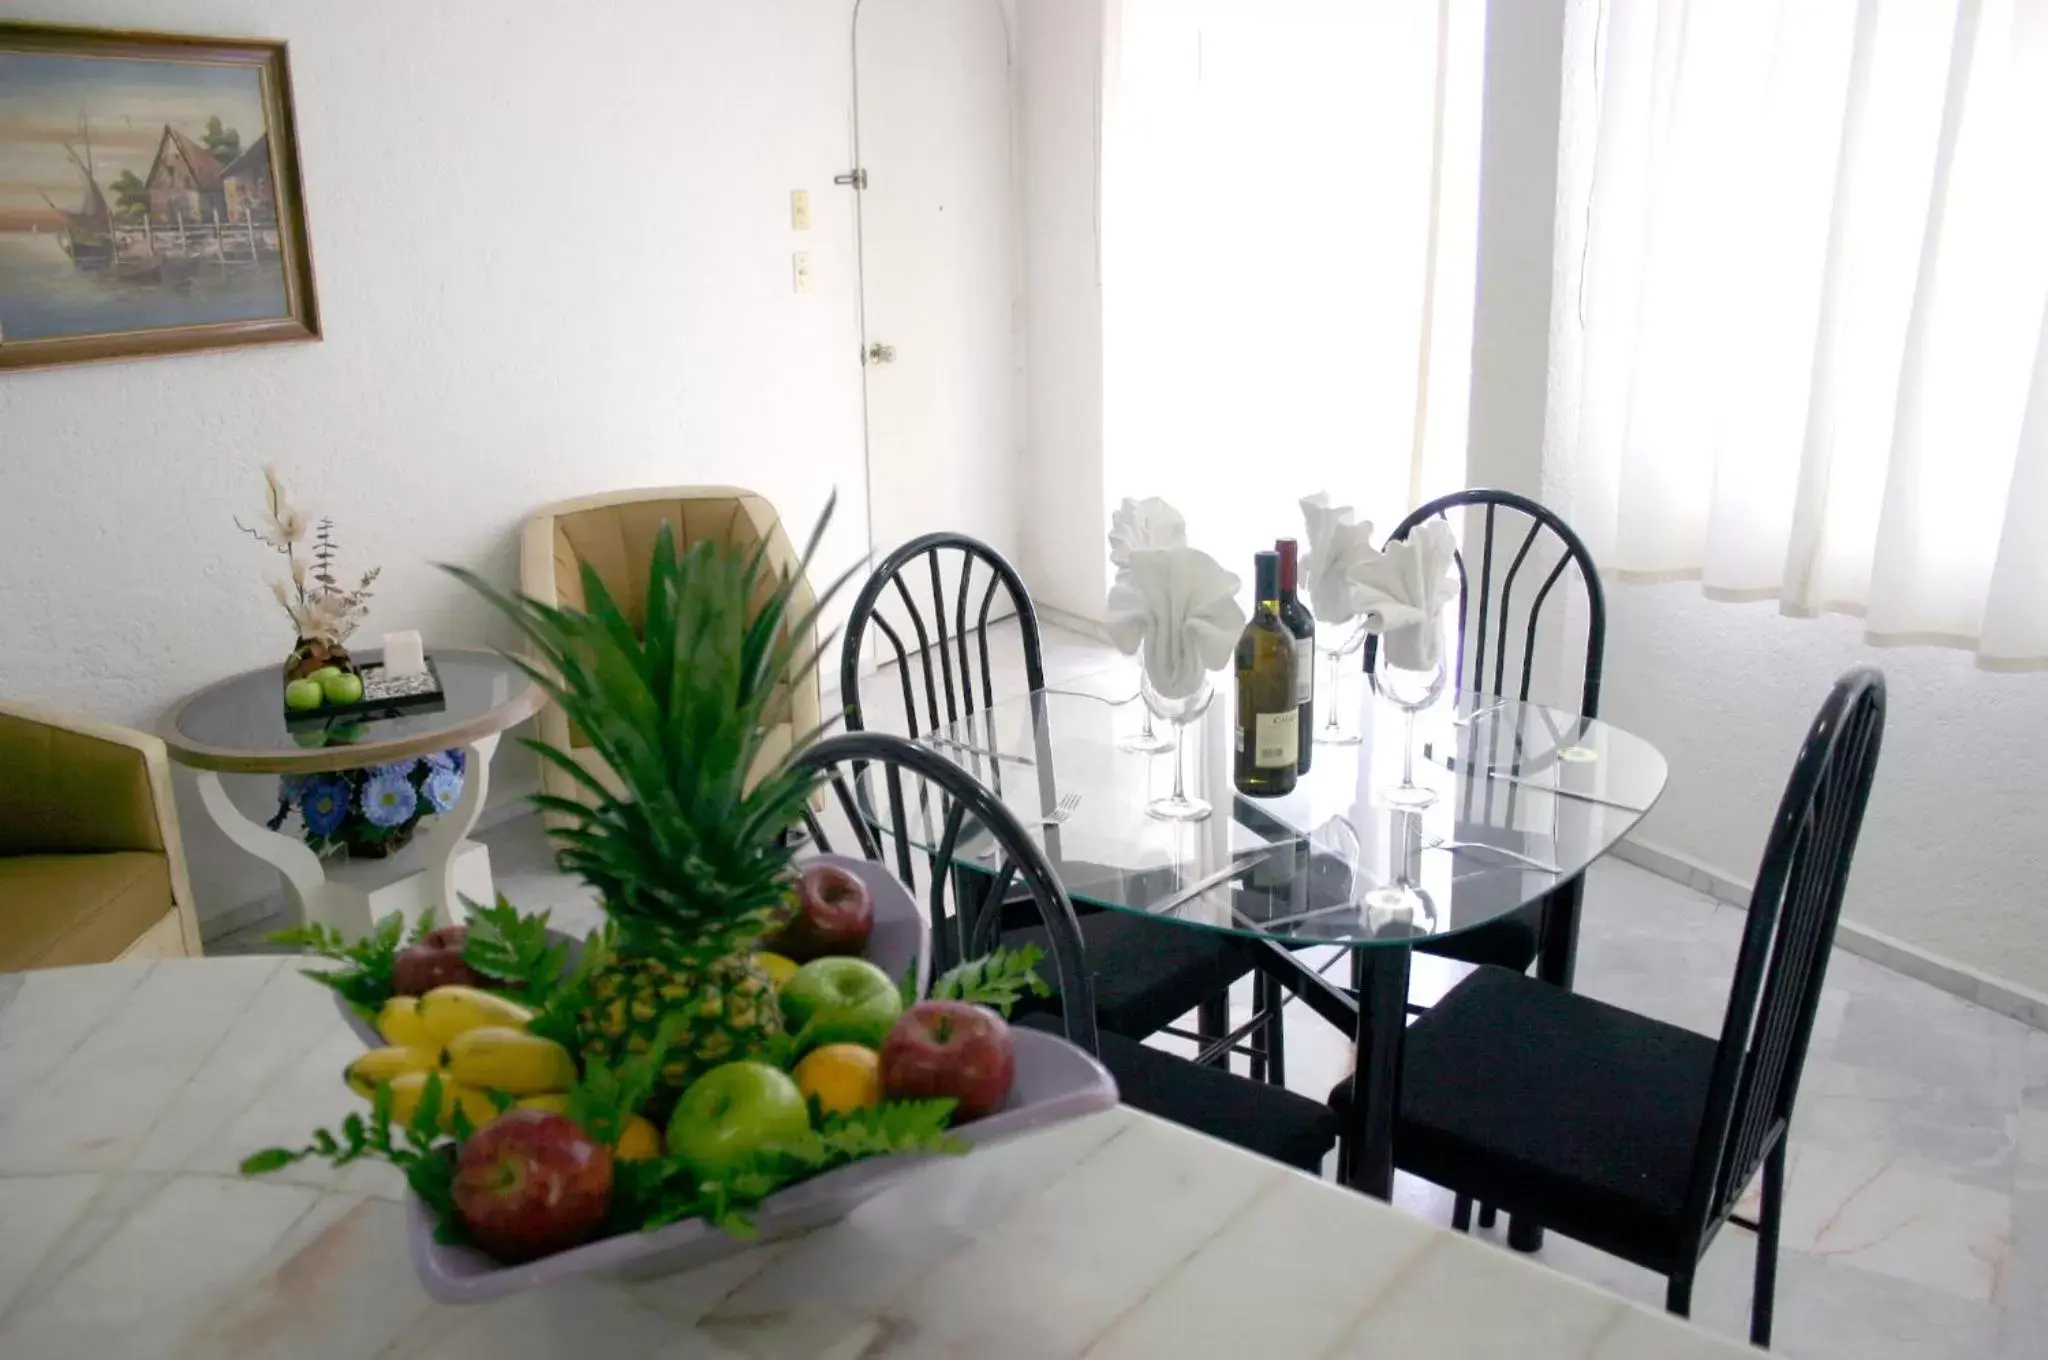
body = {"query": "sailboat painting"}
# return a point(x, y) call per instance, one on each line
point(150, 197)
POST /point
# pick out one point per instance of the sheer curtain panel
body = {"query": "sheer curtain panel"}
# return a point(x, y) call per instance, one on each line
point(1800, 345)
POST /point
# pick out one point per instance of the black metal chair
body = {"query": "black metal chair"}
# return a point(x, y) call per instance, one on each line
point(1546, 932)
point(918, 797)
point(1631, 1135)
point(1150, 972)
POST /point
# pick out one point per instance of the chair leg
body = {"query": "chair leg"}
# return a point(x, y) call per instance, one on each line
point(1678, 1295)
point(1488, 1215)
point(1212, 1022)
point(1275, 1031)
point(1558, 956)
point(1461, 1213)
point(1523, 1235)
point(1764, 1298)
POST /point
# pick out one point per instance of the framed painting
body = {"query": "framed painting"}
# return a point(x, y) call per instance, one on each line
point(150, 200)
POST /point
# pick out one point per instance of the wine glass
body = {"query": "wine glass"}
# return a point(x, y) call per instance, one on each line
point(1410, 688)
point(1334, 642)
point(1147, 740)
point(1177, 807)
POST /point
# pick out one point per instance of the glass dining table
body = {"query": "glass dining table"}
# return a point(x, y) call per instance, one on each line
point(1526, 798)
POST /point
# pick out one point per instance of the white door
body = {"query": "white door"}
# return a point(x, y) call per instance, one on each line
point(938, 276)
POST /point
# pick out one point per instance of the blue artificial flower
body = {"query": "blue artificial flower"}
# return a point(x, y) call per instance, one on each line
point(323, 802)
point(400, 770)
point(445, 760)
point(442, 788)
point(459, 758)
point(290, 787)
point(388, 797)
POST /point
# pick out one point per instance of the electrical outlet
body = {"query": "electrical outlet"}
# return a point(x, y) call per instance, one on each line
point(799, 209)
point(800, 271)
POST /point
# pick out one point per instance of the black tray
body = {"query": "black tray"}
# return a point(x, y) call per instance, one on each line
point(372, 705)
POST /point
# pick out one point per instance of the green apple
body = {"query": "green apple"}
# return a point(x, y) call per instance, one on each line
point(841, 1000)
point(303, 694)
point(732, 1112)
point(340, 687)
point(321, 674)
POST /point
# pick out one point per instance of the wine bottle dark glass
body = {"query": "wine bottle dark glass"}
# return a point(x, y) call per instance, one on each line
point(1302, 624)
point(1268, 716)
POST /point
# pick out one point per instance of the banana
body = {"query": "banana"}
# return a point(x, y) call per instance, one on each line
point(388, 1064)
point(554, 1102)
point(505, 1059)
point(449, 1011)
point(399, 1023)
point(640, 1142)
point(407, 1087)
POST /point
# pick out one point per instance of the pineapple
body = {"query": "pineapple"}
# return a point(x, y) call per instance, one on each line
point(689, 860)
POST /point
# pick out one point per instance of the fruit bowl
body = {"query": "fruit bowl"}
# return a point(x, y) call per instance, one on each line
point(1055, 1082)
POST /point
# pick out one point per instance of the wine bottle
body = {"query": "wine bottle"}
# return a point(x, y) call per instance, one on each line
point(1302, 624)
point(1268, 719)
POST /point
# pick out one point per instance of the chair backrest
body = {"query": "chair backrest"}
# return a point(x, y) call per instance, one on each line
point(928, 570)
point(894, 793)
point(1786, 943)
point(1505, 620)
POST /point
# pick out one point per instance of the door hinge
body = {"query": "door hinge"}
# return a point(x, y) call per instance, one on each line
point(857, 178)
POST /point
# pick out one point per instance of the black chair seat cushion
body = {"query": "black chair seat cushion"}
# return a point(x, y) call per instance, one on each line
point(1575, 1113)
point(1511, 942)
point(1147, 973)
point(1269, 1120)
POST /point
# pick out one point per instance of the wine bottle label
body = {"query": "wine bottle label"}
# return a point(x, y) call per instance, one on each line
point(1304, 670)
point(1277, 742)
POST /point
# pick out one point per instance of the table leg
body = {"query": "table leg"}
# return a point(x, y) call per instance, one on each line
point(1376, 1084)
point(305, 879)
point(447, 831)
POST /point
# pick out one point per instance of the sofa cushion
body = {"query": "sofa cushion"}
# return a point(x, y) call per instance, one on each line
point(72, 792)
point(57, 910)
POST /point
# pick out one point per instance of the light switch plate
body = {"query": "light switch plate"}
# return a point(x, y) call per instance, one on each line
point(800, 271)
point(799, 209)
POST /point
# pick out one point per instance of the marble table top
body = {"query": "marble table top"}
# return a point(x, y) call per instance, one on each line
point(128, 1093)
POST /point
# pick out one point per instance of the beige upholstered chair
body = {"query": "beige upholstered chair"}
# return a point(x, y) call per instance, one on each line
point(614, 535)
point(91, 865)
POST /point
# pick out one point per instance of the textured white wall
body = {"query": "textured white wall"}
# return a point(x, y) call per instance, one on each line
point(553, 254)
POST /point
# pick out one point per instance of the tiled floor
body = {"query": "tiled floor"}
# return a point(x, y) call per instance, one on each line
point(1917, 1219)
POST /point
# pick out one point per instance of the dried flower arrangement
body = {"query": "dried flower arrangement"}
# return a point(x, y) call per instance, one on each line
point(323, 611)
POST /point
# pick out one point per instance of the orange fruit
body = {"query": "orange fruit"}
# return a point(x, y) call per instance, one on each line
point(640, 1141)
point(843, 1077)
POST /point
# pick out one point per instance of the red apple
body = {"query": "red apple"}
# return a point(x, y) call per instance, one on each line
point(950, 1048)
point(530, 1183)
point(835, 914)
point(436, 961)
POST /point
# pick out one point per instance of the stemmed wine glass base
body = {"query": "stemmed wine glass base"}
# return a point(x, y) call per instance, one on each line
point(1410, 796)
point(1180, 809)
point(1336, 736)
point(1146, 743)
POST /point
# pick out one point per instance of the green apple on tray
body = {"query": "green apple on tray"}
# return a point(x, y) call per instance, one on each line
point(328, 685)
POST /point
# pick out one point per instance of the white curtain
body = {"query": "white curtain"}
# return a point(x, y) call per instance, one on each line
point(1289, 191)
point(1800, 343)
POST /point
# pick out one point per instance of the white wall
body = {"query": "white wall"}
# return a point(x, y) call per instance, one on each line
point(553, 251)
point(1063, 554)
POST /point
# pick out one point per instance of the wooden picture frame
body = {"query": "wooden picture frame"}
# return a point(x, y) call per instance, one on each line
point(199, 242)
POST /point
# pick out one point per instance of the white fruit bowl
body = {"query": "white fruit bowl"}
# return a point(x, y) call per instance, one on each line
point(1055, 1082)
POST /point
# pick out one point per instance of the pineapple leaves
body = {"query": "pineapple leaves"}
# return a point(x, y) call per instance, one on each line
point(679, 694)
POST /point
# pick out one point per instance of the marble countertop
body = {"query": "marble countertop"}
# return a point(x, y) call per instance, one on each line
point(128, 1093)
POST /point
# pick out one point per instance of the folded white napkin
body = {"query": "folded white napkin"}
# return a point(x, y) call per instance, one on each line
point(1149, 523)
point(1337, 548)
point(1402, 593)
point(1180, 606)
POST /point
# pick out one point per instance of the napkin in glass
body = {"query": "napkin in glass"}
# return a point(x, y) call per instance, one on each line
point(1147, 523)
point(1179, 606)
point(1337, 549)
point(1402, 593)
